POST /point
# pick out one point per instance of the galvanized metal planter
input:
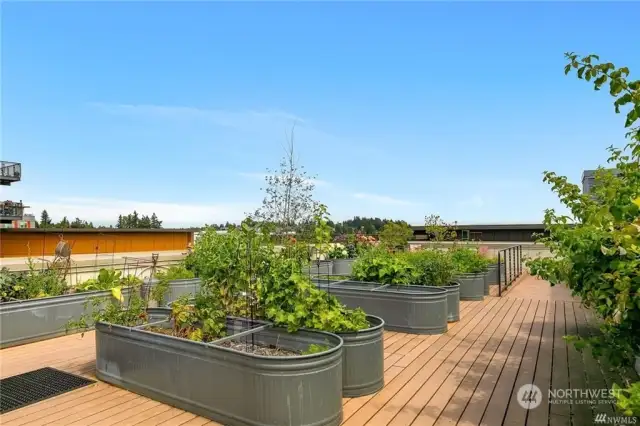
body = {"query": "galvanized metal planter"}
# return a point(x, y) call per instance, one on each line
point(363, 360)
point(453, 302)
point(404, 308)
point(471, 286)
point(27, 321)
point(228, 386)
point(176, 289)
point(490, 278)
point(343, 266)
point(325, 267)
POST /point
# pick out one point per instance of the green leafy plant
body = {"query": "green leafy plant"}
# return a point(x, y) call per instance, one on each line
point(112, 311)
point(395, 235)
point(203, 320)
point(438, 230)
point(469, 261)
point(378, 265)
point(431, 267)
point(628, 399)
point(10, 286)
point(338, 251)
point(596, 249)
point(315, 349)
point(174, 272)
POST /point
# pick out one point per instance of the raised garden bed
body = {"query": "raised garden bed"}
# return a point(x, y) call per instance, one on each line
point(453, 301)
point(228, 380)
point(472, 286)
point(408, 309)
point(27, 321)
point(176, 288)
point(343, 266)
point(325, 267)
point(490, 278)
point(363, 360)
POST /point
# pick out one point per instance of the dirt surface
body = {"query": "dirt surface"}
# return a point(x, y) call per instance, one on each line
point(257, 349)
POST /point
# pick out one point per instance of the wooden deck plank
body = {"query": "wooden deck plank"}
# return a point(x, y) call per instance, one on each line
point(437, 391)
point(498, 403)
point(467, 376)
point(475, 409)
point(559, 414)
point(453, 408)
point(394, 396)
point(542, 378)
point(516, 415)
point(594, 376)
point(581, 414)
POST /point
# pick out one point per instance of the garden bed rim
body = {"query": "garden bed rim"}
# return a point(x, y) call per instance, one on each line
point(211, 345)
point(77, 294)
point(376, 327)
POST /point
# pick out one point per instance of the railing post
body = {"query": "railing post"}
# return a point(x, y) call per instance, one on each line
point(499, 274)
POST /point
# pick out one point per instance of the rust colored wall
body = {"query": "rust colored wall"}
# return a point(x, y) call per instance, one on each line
point(37, 244)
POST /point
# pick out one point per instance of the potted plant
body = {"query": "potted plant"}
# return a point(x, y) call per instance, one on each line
point(436, 268)
point(471, 268)
point(37, 305)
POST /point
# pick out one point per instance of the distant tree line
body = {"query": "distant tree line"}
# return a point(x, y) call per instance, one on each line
point(366, 225)
point(135, 221)
point(130, 221)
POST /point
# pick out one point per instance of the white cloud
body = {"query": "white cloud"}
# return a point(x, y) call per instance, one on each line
point(382, 199)
point(106, 211)
point(476, 202)
point(262, 176)
point(236, 119)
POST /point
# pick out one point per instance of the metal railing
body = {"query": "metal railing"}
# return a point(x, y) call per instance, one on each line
point(509, 266)
point(10, 172)
point(12, 210)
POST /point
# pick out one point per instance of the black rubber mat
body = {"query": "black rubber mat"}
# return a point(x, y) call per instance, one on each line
point(38, 385)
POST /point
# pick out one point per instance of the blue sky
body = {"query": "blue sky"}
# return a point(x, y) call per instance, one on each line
point(402, 109)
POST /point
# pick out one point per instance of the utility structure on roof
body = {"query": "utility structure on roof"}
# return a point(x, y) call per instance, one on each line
point(12, 212)
point(10, 172)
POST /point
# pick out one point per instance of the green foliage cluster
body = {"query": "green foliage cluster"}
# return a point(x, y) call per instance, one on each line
point(131, 313)
point(395, 235)
point(339, 251)
point(381, 266)
point(46, 222)
point(469, 260)
point(598, 257)
point(201, 321)
point(365, 225)
point(108, 279)
point(438, 230)
point(134, 220)
point(164, 278)
point(431, 267)
point(31, 284)
point(244, 271)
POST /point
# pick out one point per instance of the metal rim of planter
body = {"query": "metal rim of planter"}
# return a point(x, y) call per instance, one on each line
point(360, 376)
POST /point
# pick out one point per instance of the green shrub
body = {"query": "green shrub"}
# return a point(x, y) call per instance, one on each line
point(469, 261)
point(430, 267)
point(174, 272)
point(378, 265)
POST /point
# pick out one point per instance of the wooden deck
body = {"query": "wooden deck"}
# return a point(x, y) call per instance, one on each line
point(468, 376)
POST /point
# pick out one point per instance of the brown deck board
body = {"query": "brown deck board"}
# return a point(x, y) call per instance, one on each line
point(466, 376)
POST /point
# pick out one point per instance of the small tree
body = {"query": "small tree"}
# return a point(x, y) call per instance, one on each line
point(395, 235)
point(288, 203)
point(45, 220)
point(120, 223)
point(598, 257)
point(155, 222)
point(64, 223)
point(438, 229)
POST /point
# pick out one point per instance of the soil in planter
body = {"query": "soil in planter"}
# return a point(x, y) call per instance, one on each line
point(257, 349)
point(238, 345)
